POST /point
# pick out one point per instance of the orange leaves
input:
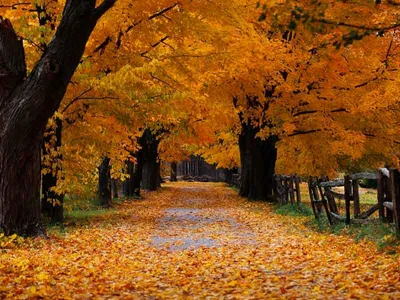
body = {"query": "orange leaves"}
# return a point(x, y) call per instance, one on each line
point(196, 241)
point(7, 242)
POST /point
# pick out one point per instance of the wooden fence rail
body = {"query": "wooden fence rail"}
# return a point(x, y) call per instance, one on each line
point(388, 199)
point(287, 188)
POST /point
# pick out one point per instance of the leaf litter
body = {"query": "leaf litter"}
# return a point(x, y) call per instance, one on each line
point(196, 241)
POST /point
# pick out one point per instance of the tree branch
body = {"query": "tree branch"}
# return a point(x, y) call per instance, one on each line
point(103, 8)
point(381, 137)
point(354, 26)
point(12, 59)
point(108, 39)
point(308, 112)
point(161, 12)
point(301, 132)
point(15, 5)
point(143, 54)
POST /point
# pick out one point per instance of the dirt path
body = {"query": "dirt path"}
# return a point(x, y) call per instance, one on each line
point(197, 241)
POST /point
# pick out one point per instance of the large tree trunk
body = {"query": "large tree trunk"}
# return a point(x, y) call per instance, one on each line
point(52, 202)
point(174, 172)
point(131, 185)
point(137, 175)
point(151, 168)
point(128, 184)
point(114, 188)
point(258, 158)
point(104, 187)
point(26, 104)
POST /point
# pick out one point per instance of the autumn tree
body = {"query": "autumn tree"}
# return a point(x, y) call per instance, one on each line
point(27, 102)
point(313, 104)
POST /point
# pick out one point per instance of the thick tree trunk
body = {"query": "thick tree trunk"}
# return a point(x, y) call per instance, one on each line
point(128, 185)
point(52, 203)
point(137, 176)
point(104, 187)
point(26, 104)
point(174, 171)
point(114, 188)
point(258, 158)
point(150, 179)
point(151, 169)
point(131, 185)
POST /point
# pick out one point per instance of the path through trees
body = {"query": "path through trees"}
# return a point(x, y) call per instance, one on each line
point(196, 240)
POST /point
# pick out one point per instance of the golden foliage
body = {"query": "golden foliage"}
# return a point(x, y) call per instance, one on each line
point(196, 241)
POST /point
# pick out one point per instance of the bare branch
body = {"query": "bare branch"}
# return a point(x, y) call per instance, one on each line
point(160, 80)
point(161, 12)
point(301, 132)
point(108, 39)
point(354, 26)
point(381, 137)
point(103, 8)
point(154, 46)
point(77, 98)
point(15, 5)
point(12, 59)
point(308, 112)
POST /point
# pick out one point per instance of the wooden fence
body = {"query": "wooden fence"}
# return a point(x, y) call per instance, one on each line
point(287, 188)
point(388, 198)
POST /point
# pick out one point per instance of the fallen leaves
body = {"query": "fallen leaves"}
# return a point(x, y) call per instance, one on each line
point(196, 241)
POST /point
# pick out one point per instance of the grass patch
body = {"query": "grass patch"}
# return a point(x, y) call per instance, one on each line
point(82, 218)
point(234, 188)
point(86, 214)
point(297, 209)
point(381, 234)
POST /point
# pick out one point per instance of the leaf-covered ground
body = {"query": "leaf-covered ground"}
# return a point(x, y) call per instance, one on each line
point(196, 240)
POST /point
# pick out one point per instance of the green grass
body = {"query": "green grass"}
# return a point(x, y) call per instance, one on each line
point(294, 210)
point(370, 197)
point(86, 214)
point(381, 234)
point(82, 211)
point(234, 188)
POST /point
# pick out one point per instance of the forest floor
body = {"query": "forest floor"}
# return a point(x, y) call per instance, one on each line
point(195, 241)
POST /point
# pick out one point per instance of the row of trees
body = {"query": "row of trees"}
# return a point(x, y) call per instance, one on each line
point(87, 95)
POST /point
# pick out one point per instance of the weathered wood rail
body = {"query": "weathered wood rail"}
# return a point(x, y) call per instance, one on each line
point(388, 198)
point(287, 188)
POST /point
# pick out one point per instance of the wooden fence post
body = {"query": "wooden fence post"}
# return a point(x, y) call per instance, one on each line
point(347, 197)
point(312, 197)
point(395, 183)
point(356, 198)
point(381, 195)
point(388, 198)
point(291, 189)
point(297, 184)
point(286, 193)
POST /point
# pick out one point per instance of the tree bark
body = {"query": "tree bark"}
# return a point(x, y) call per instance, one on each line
point(114, 188)
point(128, 183)
point(137, 176)
point(104, 187)
point(150, 173)
point(174, 171)
point(131, 185)
point(52, 202)
point(26, 104)
point(258, 158)
point(159, 177)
